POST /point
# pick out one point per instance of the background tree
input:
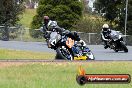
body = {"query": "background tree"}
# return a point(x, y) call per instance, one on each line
point(91, 22)
point(9, 15)
point(65, 12)
point(85, 6)
point(114, 11)
point(9, 12)
point(129, 20)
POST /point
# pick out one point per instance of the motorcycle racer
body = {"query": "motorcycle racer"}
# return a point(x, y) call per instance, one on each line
point(67, 44)
point(52, 26)
point(105, 35)
point(49, 25)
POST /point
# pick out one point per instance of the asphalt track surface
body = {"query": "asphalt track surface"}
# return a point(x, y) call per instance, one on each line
point(99, 52)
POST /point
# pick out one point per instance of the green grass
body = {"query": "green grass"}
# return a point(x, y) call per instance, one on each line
point(59, 75)
point(26, 20)
point(27, 17)
point(27, 38)
point(16, 54)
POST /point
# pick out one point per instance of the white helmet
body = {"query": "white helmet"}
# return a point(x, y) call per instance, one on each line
point(52, 23)
point(105, 26)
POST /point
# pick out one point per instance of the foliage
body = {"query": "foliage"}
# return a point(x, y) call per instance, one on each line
point(90, 24)
point(85, 6)
point(9, 15)
point(9, 12)
point(65, 12)
point(27, 17)
point(129, 20)
point(27, 1)
point(114, 11)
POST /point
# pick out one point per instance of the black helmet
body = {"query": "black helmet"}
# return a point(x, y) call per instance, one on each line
point(77, 37)
point(46, 19)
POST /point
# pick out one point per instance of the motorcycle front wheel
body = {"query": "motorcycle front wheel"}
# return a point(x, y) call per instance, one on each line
point(64, 53)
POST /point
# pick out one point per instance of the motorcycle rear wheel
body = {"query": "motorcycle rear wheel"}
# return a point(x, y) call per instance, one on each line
point(124, 47)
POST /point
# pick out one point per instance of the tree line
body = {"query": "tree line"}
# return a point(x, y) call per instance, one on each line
point(70, 14)
point(9, 15)
point(114, 12)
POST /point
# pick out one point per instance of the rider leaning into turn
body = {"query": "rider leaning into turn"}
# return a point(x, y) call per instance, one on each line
point(50, 25)
point(105, 35)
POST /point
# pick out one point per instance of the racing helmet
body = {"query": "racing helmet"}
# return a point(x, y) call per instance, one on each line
point(77, 37)
point(106, 28)
point(46, 19)
point(52, 25)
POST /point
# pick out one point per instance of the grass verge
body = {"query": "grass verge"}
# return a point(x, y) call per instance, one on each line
point(59, 74)
point(27, 17)
point(16, 54)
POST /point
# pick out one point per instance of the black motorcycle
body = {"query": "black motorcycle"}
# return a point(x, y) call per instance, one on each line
point(68, 46)
point(116, 42)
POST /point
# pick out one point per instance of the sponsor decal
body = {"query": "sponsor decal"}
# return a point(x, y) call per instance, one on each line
point(83, 78)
